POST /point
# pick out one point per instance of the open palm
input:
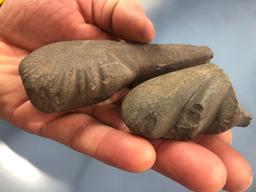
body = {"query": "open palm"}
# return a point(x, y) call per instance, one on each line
point(206, 164)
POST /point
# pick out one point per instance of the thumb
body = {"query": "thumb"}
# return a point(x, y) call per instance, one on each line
point(123, 18)
point(130, 22)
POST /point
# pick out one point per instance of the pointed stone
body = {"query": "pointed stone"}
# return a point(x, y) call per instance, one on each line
point(72, 74)
point(182, 104)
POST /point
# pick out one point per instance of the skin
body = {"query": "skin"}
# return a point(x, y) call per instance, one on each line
point(98, 130)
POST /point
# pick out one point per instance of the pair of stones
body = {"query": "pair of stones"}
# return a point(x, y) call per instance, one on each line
point(177, 93)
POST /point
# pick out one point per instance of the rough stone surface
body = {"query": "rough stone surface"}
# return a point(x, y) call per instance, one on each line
point(182, 98)
point(182, 104)
point(72, 74)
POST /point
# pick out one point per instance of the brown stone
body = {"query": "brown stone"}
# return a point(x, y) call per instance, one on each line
point(182, 104)
point(72, 74)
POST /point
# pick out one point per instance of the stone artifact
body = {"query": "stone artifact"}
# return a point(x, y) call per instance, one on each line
point(182, 104)
point(183, 97)
point(67, 75)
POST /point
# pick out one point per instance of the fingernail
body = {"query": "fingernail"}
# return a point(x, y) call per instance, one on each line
point(250, 181)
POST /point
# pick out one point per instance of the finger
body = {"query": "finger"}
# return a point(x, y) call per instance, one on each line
point(86, 32)
point(131, 23)
point(118, 96)
point(27, 117)
point(239, 172)
point(191, 165)
point(123, 18)
point(114, 147)
point(110, 115)
point(225, 137)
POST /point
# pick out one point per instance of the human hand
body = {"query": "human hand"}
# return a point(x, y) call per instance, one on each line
point(207, 164)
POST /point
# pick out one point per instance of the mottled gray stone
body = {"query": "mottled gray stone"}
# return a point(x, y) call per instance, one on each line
point(191, 98)
point(67, 75)
point(182, 104)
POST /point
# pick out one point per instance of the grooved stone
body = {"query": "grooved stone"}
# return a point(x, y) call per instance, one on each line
point(182, 104)
point(178, 95)
point(67, 75)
